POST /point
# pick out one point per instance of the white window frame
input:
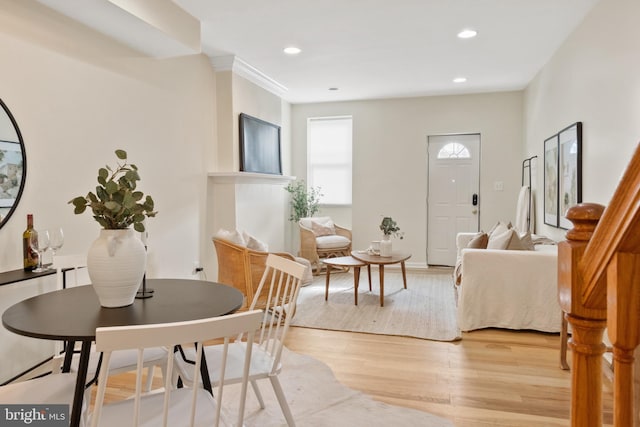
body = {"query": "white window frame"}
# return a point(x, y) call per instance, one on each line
point(343, 164)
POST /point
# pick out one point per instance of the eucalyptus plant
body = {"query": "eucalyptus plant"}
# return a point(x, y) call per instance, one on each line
point(305, 202)
point(390, 228)
point(116, 204)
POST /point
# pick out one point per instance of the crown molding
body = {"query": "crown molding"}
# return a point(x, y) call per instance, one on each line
point(243, 69)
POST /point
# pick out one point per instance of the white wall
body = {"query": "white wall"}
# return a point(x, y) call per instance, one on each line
point(256, 206)
point(390, 158)
point(77, 97)
point(594, 78)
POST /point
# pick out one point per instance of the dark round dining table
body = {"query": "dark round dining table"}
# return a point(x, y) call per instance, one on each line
point(73, 314)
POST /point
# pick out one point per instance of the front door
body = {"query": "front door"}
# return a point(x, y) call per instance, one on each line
point(453, 201)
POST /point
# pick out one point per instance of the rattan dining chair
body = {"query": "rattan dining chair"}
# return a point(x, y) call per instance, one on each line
point(175, 406)
point(281, 283)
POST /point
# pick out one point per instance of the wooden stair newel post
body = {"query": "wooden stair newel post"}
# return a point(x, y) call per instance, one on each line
point(588, 323)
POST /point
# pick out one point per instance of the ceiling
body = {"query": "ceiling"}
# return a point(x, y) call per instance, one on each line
point(364, 48)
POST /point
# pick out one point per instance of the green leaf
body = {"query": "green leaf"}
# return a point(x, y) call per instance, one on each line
point(132, 175)
point(111, 187)
point(122, 155)
point(128, 202)
point(148, 203)
point(102, 221)
point(79, 209)
point(139, 227)
point(79, 201)
point(113, 206)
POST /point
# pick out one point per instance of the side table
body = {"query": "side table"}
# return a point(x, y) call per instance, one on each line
point(346, 261)
point(381, 261)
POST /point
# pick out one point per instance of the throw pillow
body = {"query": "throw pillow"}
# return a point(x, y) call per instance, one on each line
point(326, 229)
point(254, 244)
point(480, 241)
point(510, 240)
point(499, 228)
point(500, 241)
point(233, 236)
point(526, 241)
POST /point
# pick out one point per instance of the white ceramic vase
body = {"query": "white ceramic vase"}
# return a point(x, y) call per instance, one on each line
point(116, 262)
point(385, 246)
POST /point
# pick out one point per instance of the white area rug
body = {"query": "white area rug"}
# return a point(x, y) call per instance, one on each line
point(426, 309)
point(316, 398)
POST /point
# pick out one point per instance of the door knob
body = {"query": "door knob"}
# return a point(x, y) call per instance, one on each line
point(474, 211)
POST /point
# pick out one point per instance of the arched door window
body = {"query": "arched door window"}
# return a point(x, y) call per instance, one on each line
point(454, 150)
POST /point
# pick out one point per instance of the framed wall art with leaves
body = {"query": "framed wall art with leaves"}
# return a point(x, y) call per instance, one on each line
point(551, 181)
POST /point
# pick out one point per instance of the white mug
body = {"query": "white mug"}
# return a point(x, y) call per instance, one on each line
point(375, 245)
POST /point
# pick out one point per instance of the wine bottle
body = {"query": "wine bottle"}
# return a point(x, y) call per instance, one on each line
point(30, 256)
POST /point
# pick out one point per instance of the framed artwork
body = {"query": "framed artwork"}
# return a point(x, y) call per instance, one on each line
point(551, 181)
point(570, 171)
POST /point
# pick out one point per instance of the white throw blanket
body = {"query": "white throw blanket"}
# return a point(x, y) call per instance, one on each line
point(523, 210)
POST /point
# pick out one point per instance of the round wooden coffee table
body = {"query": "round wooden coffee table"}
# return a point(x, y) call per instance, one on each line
point(346, 262)
point(381, 261)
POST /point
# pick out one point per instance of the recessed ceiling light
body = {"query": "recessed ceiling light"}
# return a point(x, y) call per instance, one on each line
point(292, 50)
point(460, 80)
point(467, 34)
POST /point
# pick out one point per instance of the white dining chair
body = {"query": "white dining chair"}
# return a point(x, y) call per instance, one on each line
point(175, 406)
point(48, 390)
point(71, 267)
point(278, 289)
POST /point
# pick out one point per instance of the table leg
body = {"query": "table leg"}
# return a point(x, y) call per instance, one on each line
point(356, 282)
point(204, 373)
point(68, 356)
point(369, 274)
point(81, 379)
point(381, 268)
point(404, 274)
point(326, 290)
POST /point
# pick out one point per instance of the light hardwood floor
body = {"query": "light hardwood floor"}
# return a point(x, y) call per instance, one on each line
point(489, 378)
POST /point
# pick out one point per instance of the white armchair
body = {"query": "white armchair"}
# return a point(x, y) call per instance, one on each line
point(512, 289)
point(321, 238)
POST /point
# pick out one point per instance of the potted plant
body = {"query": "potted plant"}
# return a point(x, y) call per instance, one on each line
point(116, 261)
point(305, 202)
point(389, 228)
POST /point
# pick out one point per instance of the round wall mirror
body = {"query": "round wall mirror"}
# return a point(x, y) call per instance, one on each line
point(13, 164)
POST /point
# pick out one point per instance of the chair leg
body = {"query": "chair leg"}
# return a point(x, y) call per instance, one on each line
point(147, 386)
point(256, 390)
point(56, 364)
point(277, 388)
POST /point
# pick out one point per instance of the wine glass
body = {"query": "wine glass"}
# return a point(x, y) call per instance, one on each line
point(56, 240)
point(39, 242)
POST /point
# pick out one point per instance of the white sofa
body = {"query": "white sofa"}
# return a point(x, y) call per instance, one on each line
point(508, 288)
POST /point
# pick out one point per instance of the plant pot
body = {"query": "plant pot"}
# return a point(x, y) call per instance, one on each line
point(385, 246)
point(116, 262)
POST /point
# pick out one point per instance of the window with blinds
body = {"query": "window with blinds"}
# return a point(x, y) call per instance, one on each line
point(329, 153)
